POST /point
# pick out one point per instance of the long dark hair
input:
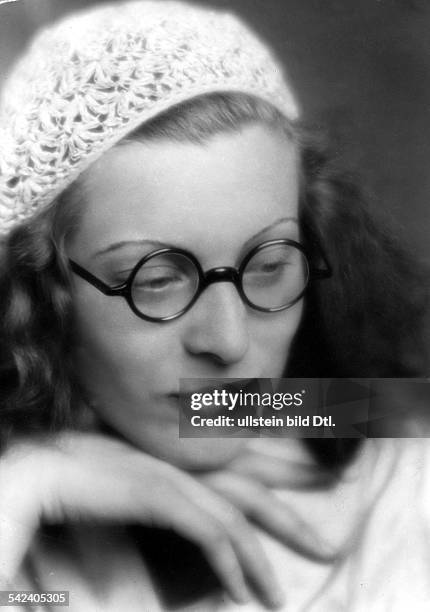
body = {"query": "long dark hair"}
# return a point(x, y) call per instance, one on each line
point(367, 320)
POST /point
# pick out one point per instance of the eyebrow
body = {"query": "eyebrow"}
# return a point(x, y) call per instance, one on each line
point(157, 243)
point(125, 243)
point(272, 226)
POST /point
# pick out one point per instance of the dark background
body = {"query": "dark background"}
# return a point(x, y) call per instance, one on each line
point(360, 66)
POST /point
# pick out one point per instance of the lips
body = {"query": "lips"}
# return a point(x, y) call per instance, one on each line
point(184, 404)
point(209, 390)
point(209, 385)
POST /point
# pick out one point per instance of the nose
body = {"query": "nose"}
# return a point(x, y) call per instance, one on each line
point(217, 325)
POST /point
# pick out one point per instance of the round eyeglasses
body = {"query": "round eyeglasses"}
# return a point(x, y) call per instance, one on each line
point(165, 283)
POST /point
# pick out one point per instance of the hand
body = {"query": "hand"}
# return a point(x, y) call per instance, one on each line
point(247, 483)
point(89, 476)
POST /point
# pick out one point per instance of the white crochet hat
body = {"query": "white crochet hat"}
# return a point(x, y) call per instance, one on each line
point(94, 77)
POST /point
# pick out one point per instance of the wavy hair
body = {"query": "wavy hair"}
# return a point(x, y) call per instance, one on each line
point(368, 321)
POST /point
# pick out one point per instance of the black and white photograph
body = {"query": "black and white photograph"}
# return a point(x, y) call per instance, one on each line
point(214, 305)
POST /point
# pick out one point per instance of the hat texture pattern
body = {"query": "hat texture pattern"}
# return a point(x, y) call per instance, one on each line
point(92, 78)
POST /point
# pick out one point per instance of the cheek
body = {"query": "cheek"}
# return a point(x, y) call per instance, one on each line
point(272, 340)
point(116, 353)
point(122, 360)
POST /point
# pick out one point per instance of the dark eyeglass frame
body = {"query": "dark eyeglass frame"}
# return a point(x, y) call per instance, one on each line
point(214, 275)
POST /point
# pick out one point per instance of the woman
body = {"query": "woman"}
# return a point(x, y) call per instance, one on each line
point(142, 150)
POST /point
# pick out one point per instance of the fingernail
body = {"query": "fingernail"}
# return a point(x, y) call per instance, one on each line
point(327, 550)
point(318, 547)
point(277, 597)
point(242, 595)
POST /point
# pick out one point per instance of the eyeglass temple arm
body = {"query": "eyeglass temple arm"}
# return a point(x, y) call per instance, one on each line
point(93, 280)
point(326, 272)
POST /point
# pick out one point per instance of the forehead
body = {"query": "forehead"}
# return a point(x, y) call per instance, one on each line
point(190, 194)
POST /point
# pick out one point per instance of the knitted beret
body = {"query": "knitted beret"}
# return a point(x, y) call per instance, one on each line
point(92, 78)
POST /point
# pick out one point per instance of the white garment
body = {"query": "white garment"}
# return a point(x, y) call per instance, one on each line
point(377, 517)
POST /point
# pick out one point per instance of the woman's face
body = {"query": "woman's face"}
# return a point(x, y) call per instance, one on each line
point(216, 200)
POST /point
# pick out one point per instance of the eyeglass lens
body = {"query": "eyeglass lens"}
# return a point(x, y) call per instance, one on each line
point(273, 278)
point(164, 285)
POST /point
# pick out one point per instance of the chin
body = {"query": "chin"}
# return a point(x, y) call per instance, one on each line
point(160, 439)
point(195, 453)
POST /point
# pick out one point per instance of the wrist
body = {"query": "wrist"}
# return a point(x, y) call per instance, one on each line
point(23, 484)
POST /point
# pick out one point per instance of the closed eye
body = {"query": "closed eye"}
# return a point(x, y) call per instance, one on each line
point(159, 278)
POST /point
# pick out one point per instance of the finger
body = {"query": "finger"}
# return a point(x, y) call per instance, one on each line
point(187, 519)
point(259, 570)
point(254, 561)
point(151, 492)
point(15, 538)
point(230, 544)
point(273, 515)
point(154, 494)
point(276, 472)
point(18, 521)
